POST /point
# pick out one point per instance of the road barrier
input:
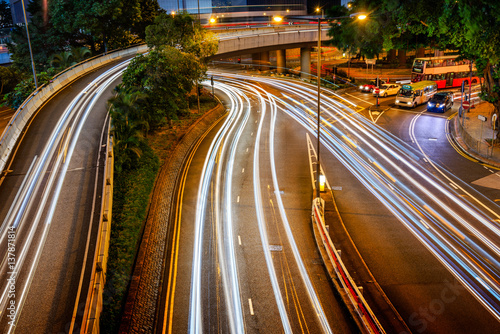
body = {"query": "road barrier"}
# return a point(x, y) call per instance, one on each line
point(361, 307)
point(93, 306)
point(37, 99)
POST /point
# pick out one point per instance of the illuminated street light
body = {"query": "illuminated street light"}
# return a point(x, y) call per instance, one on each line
point(358, 16)
point(212, 20)
point(277, 19)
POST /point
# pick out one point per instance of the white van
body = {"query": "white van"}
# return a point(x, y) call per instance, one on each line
point(416, 93)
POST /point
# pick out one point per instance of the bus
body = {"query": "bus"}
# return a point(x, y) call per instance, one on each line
point(446, 71)
point(416, 93)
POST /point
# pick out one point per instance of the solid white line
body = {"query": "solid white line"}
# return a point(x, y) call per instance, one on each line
point(357, 98)
point(239, 240)
point(251, 306)
point(238, 199)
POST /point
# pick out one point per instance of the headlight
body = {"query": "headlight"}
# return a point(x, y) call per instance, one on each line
point(408, 103)
point(430, 104)
point(397, 101)
point(361, 87)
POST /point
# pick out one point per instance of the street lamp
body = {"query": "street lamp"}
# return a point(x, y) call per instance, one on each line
point(277, 19)
point(359, 16)
point(29, 45)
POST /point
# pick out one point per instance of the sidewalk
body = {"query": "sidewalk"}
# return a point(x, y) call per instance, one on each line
point(475, 135)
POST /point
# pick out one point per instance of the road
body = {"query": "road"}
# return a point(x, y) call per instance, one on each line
point(431, 232)
point(236, 268)
point(50, 208)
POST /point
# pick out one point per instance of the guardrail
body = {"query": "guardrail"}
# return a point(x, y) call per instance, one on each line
point(29, 107)
point(362, 308)
point(93, 306)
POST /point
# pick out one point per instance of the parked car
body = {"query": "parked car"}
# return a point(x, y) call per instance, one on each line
point(440, 102)
point(388, 89)
point(368, 88)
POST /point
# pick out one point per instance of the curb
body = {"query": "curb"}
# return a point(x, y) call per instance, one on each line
point(140, 307)
point(457, 138)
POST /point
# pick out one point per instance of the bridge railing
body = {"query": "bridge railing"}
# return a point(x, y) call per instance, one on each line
point(361, 307)
point(94, 303)
point(39, 97)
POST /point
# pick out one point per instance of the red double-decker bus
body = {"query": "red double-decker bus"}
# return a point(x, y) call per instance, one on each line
point(446, 71)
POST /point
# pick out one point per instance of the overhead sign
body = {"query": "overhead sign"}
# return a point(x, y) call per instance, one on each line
point(466, 104)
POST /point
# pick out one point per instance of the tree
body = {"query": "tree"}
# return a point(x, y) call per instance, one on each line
point(149, 11)
point(183, 32)
point(62, 60)
point(127, 131)
point(102, 25)
point(8, 79)
point(166, 75)
point(474, 29)
point(45, 41)
point(5, 15)
point(391, 24)
point(24, 89)
point(80, 53)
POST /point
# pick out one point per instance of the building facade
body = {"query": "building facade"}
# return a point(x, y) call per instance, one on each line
point(228, 10)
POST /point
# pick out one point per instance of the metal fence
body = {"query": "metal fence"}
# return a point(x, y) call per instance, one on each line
point(485, 144)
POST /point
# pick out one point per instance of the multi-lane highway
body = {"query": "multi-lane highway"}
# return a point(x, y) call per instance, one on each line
point(50, 207)
point(242, 257)
point(423, 231)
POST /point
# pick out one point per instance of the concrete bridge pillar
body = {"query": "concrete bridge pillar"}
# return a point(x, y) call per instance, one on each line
point(281, 60)
point(264, 58)
point(305, 63)
point(256, 58)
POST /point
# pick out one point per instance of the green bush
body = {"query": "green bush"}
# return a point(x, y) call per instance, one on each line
point(131, 192)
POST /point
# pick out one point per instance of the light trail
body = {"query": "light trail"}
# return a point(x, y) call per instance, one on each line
point(402, 179)
point(54, 163)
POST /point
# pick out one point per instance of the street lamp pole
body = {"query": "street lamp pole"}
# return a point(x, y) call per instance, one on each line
point(318, 72)
point(360, 16)
point(29, 45)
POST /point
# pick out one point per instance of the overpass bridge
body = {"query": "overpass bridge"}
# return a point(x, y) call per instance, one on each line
point(258, 43)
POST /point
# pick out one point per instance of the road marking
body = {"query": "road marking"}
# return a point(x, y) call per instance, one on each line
point(239, 240)
point(359, 99)
point(243, 170)
point(251, 134)
point(238, 199)
point(251, 306)
point(247, 149)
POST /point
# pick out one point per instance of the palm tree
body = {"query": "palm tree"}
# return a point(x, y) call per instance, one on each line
point(62, 60)
point(80, 53)
point(128, 127)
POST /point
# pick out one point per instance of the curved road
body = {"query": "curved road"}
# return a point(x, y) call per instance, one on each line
point(50, 209)
point(432, 231)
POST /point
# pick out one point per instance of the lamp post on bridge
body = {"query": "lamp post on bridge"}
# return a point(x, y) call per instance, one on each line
point(359, 16)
